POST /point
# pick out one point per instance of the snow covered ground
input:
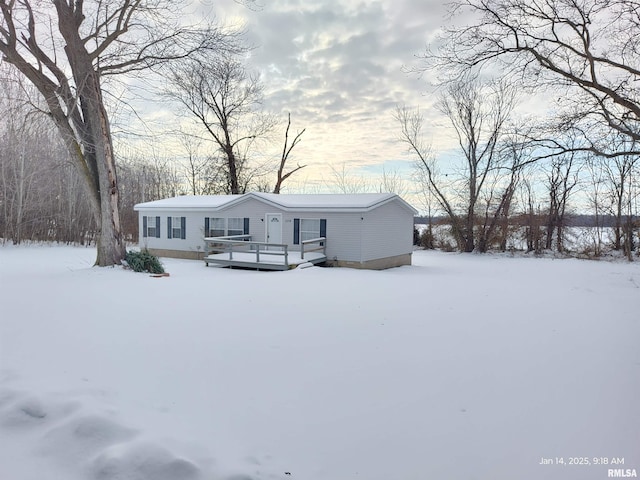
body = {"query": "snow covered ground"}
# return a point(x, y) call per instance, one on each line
point(458, 367)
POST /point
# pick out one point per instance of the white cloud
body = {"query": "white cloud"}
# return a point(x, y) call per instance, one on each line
point(339, 67)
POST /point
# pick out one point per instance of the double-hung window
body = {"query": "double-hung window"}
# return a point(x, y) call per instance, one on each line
point(216, 227)
point(176, 230)
point(222, 227)
point(308, 229)
point(176, 227)
point(151, 226)
point(235, 226)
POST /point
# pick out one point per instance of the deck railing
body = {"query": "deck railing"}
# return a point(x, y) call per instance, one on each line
point(306, 246)
point(244, 244)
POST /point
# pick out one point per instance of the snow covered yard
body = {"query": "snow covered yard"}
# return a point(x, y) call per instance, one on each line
point(458, 367)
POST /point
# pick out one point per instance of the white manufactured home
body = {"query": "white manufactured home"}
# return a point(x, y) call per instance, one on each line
point(278, 231)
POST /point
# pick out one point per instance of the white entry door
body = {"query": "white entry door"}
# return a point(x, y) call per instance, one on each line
point(274, 227)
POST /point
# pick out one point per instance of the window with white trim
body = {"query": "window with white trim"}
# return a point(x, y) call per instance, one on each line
point(176, 227)
point(309, 228)
point(216, 227)
point(151, 226)
point(235, 226)
point(222, 227)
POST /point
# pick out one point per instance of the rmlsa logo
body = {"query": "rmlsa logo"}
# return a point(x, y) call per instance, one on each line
point(622, 473)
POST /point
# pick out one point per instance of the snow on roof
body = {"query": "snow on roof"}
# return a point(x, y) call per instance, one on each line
point(320, 201)
point(326, 200)
point(187, 201)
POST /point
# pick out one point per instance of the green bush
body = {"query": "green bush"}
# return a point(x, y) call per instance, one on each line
point(143, 261)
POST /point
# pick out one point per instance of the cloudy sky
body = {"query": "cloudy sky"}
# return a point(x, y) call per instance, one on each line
point(339, 67)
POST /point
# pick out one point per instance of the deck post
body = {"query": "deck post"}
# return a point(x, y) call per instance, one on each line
point(286, 256)
point(258, 253)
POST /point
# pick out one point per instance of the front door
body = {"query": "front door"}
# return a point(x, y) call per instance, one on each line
point(274, 228)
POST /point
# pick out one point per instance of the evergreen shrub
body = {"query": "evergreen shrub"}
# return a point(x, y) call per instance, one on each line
point(143, 261)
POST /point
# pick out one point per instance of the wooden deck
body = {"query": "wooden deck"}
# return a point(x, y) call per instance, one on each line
point(240, 251)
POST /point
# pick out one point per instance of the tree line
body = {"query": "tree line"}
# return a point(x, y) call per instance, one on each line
point(42, 196)
point(580, 60)
point(72, 57)
point(505, 189)
point(73, 52)
point(64, 176)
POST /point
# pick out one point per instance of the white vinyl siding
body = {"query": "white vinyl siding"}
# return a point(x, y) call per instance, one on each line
point(343, 236)
point(387, 231)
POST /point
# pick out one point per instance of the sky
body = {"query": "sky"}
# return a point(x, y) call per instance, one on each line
point(340, 67)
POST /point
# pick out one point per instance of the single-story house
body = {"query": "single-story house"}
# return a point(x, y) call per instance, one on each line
point(369, 230)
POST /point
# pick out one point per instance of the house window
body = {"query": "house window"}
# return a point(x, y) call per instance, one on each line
point(235, 226)
point(176, 231)
point(176, 227)
point(309, 228)
point(216, 227)
point(151, 226)
point(221, 227)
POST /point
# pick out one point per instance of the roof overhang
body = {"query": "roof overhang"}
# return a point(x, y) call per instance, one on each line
point(343, 203)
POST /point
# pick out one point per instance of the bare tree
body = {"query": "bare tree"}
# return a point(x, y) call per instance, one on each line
point(197, 166)
point(344, 180)
point(286, 151)
point(562, 178)
point(145, 178)
point(498, 198)
point(392, 181)
point(427, 168)
point(22, 149)
point(427, 238)
point(532, 217)
point(69, 218)
point(621, 176)
point(479, 126)
point(225, 100)
point(588, 49)
point(41, 197)
point(596, 196)
point(66, 50)
point(478, 116)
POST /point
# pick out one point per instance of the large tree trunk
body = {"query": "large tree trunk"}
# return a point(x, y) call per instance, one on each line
point(234, 185)
point(111, 248)
point(469, 230)
point(96, 140)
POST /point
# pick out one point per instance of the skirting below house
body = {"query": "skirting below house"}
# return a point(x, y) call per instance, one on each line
point(188, 255)
point(376, 264)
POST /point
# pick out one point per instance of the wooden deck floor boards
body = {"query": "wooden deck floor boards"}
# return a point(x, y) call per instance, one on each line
point(267, 261)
